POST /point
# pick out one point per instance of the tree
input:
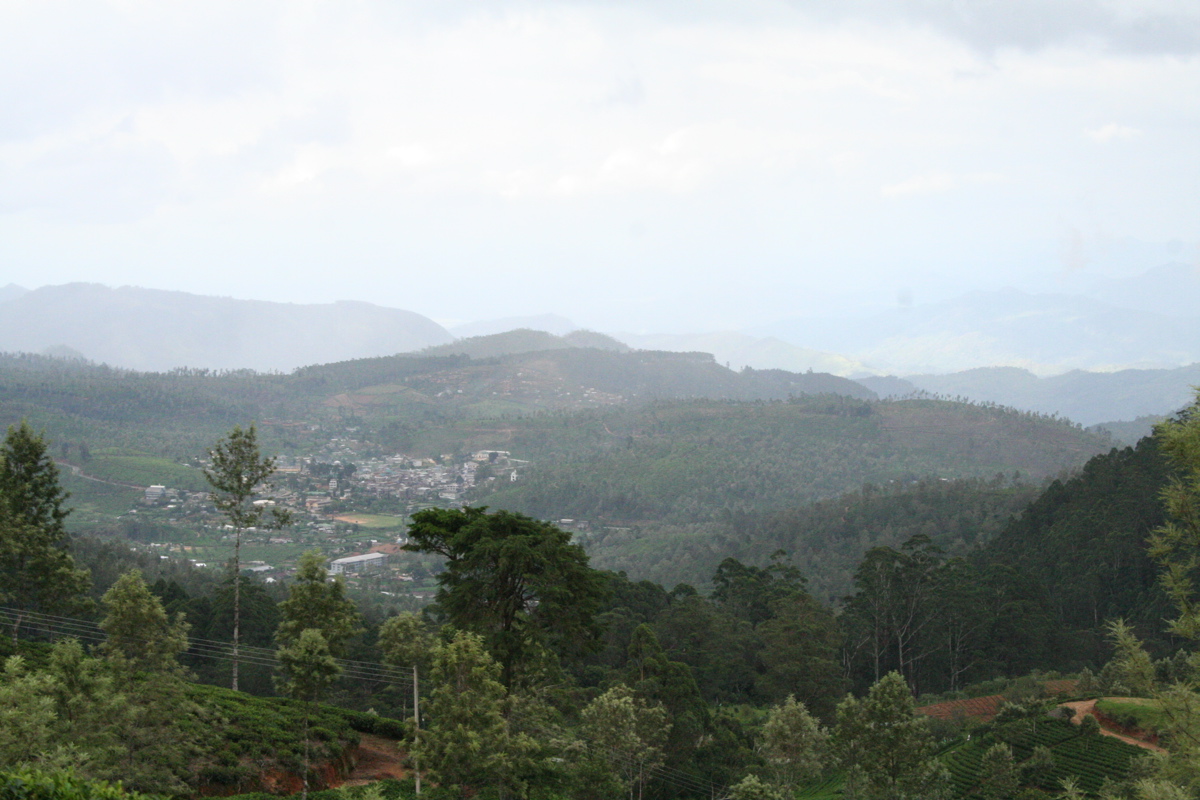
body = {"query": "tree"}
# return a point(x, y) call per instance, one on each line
point(628, 734)
point(237, 474)
point(793, 744)
point(887, 747)
point(140, 635)
point(29, 481)
point(307, 670)
point(26, 713)
point(1175, 546)
point(37, 572)
point(752, 788)
point(895, 604)
point(998, 776)
point(748, 592)
point(800, 653)
point(465, 743)
point(516, 581)
point(318, 603)
point(404, 643)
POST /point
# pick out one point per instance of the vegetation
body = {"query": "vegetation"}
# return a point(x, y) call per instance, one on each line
point(544, 677)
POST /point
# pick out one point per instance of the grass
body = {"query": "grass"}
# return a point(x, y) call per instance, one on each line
point(1134, 712)
point(372, 521)
point(98, 498)
point(142, 470)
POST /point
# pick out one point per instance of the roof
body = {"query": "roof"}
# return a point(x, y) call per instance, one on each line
point(358, 559)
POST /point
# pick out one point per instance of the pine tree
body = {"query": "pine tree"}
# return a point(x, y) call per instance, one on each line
point(237, 474)
point(318, 603)
point(307, 670)
point(887, 747)
point(465, 744)
point(37, 573)
point(141, 637)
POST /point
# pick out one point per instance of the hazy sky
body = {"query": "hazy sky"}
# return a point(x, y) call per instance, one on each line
point(632, 165)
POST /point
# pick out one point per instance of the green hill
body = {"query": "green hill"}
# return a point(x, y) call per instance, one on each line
point(1096, 522)
point(688, 462)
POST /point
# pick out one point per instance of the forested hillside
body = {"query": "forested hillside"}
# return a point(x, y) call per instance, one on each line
point(688, 462)
point(560, 681)
point(1079, 551)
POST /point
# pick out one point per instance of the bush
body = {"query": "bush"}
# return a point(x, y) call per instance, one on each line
point(29, 785)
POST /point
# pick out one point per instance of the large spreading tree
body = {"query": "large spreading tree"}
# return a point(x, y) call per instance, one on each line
point(518, 582)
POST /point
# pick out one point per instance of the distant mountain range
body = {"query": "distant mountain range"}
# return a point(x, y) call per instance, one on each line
point(149, 329)
point(1117, 350)
point(1089, 398)
point(1045, 333)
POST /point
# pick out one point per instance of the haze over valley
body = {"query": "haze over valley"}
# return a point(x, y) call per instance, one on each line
point(577, 400)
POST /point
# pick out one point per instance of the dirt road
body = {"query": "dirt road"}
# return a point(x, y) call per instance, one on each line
point(1086, 708)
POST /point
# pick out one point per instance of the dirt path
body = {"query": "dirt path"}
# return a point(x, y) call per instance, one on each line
point(1086, 708)
point(378, 759)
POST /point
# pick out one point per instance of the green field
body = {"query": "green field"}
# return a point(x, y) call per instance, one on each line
point(141, 470)
point(373, 521)
point(1134, 712)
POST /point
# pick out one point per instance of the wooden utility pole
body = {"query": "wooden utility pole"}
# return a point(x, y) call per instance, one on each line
point(416, 724)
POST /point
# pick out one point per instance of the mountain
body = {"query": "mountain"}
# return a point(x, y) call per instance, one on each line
point(739, 350)
point(550, 323)
point(149, 329)
point(524, 340)
point(11, 292)
point(1045, 333)
point(1089, 398)
point(1168, 289)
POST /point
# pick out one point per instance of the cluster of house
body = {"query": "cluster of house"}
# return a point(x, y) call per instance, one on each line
point(423, 479)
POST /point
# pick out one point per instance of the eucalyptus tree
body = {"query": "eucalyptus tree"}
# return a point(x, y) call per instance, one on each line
point(237, 476)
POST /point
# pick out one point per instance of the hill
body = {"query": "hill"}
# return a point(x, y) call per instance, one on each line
point(683, 461)
point(392, 395)
point(524, 340)
point(1096, 522)
point(742, 350)
point(824, 539)
point(148, 329)
point(1085, 397)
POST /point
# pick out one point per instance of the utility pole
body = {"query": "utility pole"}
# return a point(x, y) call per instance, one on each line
point(416, 724)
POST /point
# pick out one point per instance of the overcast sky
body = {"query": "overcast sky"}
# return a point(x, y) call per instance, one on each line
point(650, 166)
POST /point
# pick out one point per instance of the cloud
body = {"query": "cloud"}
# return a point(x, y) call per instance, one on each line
point(931, 183)
point(937, 183)
point(1112, 132)
point(1143, 27)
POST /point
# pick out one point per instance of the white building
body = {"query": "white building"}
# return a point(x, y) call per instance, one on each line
point(358, 565)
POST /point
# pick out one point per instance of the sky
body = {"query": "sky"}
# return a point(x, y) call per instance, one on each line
point(652, 166)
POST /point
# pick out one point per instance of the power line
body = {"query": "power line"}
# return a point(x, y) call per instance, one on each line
point(206, 648)
point(87, 630)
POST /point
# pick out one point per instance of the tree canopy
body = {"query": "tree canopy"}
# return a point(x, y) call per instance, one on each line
point(518, 582)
